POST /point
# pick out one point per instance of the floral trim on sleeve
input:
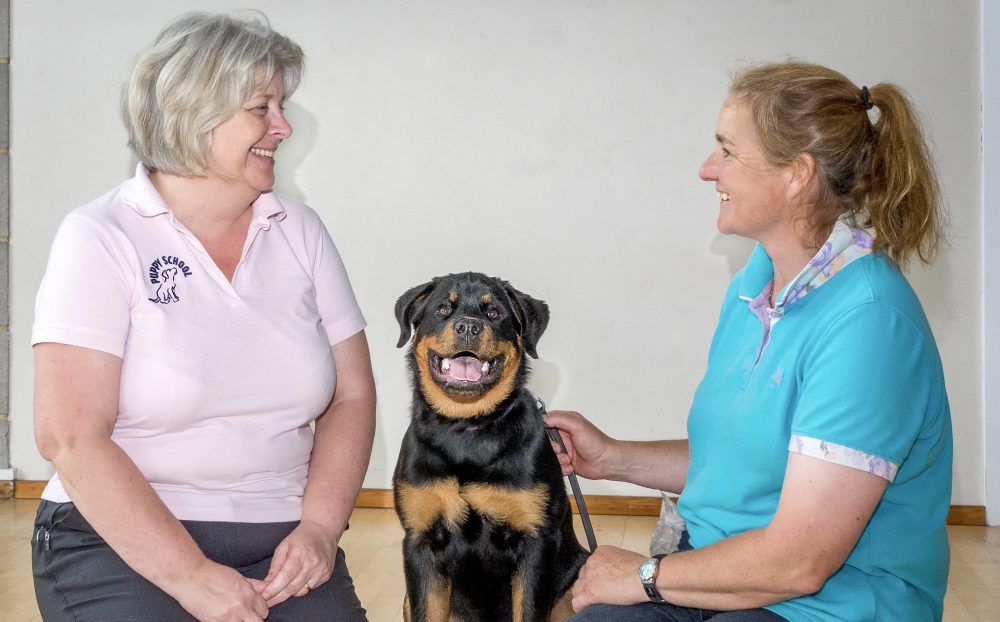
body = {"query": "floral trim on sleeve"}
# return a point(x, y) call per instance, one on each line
point(839, 454)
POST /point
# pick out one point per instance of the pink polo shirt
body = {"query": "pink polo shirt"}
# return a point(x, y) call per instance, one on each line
point(219, 380)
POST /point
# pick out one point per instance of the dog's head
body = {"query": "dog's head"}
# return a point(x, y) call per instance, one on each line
point(470, 335)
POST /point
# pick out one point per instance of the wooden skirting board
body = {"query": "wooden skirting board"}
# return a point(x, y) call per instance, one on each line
point(596, 504)
point(27, 489)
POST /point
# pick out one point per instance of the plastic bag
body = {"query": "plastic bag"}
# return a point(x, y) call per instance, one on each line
point(667, 534)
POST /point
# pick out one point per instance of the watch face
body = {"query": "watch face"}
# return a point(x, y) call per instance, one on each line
point(647, 569)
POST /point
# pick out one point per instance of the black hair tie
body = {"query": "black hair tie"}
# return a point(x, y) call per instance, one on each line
point(867, 97)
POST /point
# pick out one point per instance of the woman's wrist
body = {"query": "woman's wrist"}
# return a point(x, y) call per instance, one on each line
point(627, 463)
point(617, 465)
point(326, 530)
point(180, 575)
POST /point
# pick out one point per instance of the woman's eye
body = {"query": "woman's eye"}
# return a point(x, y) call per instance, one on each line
point(493, 314)
point(444, 310)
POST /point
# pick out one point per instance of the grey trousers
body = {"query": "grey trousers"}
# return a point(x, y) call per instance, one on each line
point(78, 578)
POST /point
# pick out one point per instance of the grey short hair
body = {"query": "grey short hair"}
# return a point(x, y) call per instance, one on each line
point(197, 73)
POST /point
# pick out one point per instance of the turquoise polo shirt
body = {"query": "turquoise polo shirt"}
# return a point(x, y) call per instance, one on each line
point(849, 373)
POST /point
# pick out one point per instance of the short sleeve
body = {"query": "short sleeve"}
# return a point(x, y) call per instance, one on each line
point(865, 391)
point(85, 298)
point(338, 307)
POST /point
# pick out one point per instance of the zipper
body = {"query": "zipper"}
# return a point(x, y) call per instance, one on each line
point(38, 537)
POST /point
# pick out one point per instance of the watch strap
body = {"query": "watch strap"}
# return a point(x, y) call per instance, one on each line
point(654, 596)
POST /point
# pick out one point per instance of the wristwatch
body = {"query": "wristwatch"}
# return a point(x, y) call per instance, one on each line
point(647, 575)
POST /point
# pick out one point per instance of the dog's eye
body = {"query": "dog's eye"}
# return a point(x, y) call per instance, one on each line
point(493, 314)
point(444, 310)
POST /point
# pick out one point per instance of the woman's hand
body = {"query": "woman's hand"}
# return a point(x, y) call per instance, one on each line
point(610, 576)
point(587, 448)
point(304, 558)
point(217, 593)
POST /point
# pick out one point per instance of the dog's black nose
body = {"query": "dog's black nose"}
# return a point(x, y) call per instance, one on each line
point(468, 327)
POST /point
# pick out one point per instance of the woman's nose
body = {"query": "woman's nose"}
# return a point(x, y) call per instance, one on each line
point(280, 126)
point(707, 171)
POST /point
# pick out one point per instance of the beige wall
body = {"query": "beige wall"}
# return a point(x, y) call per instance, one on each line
point(555, 144)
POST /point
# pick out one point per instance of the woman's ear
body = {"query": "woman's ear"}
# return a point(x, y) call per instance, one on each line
point(801, 177)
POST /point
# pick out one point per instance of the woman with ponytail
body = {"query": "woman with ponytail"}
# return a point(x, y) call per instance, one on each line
point(817, 475)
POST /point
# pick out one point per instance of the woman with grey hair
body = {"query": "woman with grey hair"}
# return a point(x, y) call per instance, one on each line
point(190, 327)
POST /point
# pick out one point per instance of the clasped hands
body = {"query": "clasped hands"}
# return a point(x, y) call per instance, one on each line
point(303, 561)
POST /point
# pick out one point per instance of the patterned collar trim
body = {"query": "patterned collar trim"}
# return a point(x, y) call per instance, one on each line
point(845, 244)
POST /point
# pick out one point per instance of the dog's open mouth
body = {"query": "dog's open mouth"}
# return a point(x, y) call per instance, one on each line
point(464, 372)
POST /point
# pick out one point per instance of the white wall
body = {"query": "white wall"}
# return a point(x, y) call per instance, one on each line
point(555, 144)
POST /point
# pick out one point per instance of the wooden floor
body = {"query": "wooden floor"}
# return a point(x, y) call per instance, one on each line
point(374, 557)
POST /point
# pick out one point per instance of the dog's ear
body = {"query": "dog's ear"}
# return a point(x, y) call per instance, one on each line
point(408, 308)
point(533, 317)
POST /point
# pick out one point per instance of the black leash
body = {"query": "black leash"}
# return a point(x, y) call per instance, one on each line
point(573, 482)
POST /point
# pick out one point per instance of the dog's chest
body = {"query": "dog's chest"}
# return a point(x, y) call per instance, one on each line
point(521, 509)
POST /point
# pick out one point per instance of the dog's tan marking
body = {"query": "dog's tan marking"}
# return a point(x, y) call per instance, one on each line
point(563, 608)
point(453, 296)
point(487, 299)
point(439, 600)
point(521, 509)
point(488, 349)
point(420, 506)
point(517, 596)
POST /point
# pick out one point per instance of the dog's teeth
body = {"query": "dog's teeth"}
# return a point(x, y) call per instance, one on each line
point(486, 367)
point(445, 364)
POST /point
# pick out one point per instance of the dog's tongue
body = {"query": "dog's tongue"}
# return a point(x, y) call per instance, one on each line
point(467, 368)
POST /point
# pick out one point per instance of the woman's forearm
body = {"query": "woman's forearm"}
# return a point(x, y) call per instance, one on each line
point(661, 465)
point(343, 442)
point(75, 408)
point(746, 571)
point(115, 498)
point(341, 451)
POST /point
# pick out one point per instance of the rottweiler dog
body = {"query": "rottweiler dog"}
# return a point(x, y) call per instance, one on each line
point(477, 487)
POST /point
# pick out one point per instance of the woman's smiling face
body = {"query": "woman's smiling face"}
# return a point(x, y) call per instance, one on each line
point(243, 146)
point(753, 194)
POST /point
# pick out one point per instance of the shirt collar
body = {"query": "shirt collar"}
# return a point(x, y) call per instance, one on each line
point(845, 244)
point(140, 194)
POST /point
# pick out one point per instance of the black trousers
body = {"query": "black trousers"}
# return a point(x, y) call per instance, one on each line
point(79, 578)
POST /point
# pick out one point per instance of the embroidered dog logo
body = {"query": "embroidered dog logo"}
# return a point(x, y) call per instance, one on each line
point(163, 273)
point(167, 291)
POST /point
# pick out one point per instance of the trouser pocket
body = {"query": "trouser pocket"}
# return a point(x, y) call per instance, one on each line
point(50, 514)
